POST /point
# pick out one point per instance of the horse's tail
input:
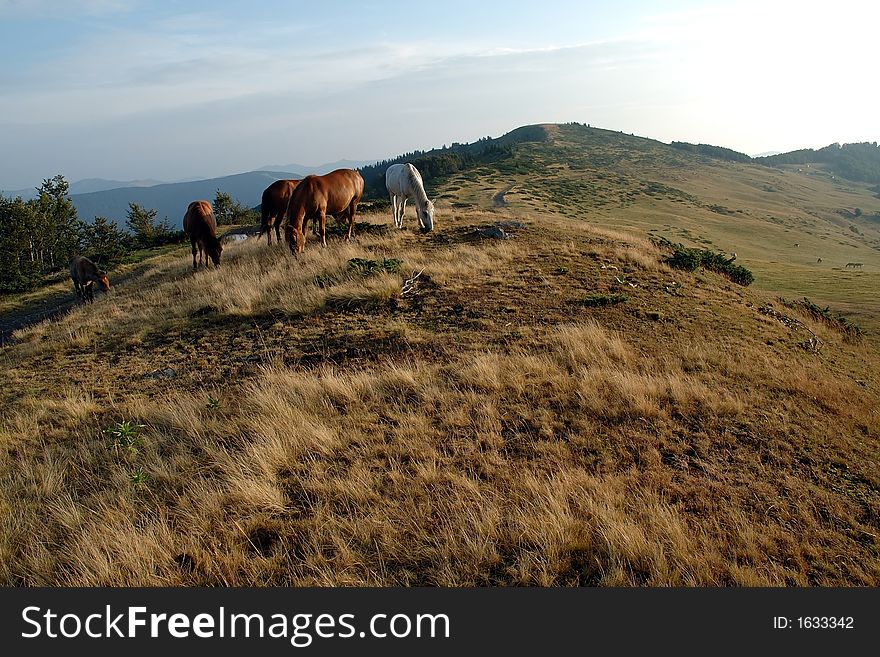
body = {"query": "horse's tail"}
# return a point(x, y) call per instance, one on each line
point(264, 215)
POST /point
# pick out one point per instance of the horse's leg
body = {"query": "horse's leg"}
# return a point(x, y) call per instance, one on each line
point(351, 212)
point(402, 211)
point(323, 219)
point(301, 235)
point(288, 234)
point(278, 229)
point(193, 244)
point(394, 209)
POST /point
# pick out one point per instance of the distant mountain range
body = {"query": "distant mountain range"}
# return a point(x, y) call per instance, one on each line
point(86, 186)
point(110, 198)
point(320, 169)
point(105, 198)
point(171, 199)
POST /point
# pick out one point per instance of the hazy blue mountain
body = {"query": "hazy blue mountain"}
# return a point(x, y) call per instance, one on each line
point(171, 199)
point(85, 186)
point(321, 169)
point(88, 185)
point(26, 194)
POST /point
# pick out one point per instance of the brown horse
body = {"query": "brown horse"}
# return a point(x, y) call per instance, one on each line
point(200, 225)
point(85, 274)
point(337, 192)
point(273, 206)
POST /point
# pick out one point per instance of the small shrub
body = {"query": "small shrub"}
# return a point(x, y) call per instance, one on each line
point(339, 228)
point(367, 267)
point(599, 300)
point(691, 259)
point(720, 209)
point(828, 317)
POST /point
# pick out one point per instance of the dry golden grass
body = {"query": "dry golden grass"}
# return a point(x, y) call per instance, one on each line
point(321, 428)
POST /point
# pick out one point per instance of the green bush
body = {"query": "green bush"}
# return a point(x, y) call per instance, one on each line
point(599, 300)
point(692, 259)
point(828, 317)
point(369, 267)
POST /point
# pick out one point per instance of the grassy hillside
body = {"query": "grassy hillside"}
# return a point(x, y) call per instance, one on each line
point(557, 408)
point(779, 223)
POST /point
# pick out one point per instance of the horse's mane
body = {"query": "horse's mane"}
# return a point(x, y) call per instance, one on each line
point(416, 185)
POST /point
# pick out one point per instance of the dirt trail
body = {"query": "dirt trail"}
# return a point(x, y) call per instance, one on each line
point(37, 312)
point(498, 200)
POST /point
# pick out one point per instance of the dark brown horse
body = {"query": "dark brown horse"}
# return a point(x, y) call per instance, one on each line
point(85, 274)
point(273, 206)
point(200, 225)
point(337, 192)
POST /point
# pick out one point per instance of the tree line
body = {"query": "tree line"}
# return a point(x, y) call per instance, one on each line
point(38, 236)
point(859, 161)
point(718, 152)
point(435, 163)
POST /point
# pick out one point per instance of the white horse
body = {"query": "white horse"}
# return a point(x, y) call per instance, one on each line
point(403, 182)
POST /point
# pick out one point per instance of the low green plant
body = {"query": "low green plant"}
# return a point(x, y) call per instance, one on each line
point(828, 317)
point(139, 477)
point(125, 437)
point(367, 267)
point(598, 300)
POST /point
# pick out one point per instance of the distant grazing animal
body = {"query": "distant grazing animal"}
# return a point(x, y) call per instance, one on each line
point(85, 274)
point(819, 260)
point(403, 181)
point(273, 206)
point(855, 265)
point(200, 225)
point(337, 192)
point(797, 244)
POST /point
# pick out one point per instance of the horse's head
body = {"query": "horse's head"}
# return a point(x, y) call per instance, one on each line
point(105, 282)
point(426, 217)
point(214, 249)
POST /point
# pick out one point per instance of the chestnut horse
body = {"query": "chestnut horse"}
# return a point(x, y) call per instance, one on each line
point(315, 197)
point(85, 274)
point(200, 225)
point(273, 206)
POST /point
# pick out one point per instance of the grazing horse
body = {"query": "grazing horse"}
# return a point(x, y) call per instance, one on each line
point(403, 181)
point(85, 274)
point(273, 206)
point(200, 225)
point(337, 192)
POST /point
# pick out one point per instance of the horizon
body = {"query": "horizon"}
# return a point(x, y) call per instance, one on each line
point(126, 91)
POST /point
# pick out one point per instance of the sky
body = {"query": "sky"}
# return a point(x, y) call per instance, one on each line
point(132, 89)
